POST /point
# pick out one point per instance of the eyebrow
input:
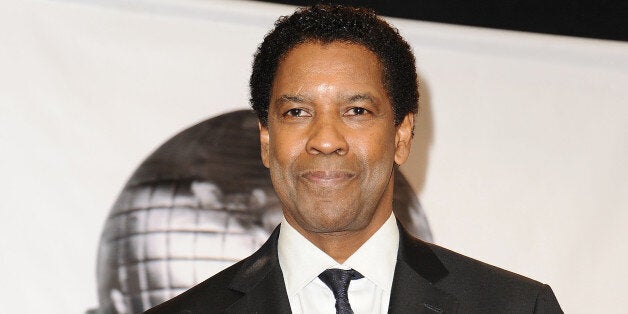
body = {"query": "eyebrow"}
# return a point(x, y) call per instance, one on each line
point(300, 99)
point(290, 98)
point(360, 97)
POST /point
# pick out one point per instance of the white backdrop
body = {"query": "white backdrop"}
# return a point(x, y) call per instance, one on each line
point(519, 159)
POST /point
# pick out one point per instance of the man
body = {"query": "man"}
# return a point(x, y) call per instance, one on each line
point(335, 90)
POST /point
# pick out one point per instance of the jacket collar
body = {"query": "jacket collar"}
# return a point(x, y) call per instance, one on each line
point(261, 280)
point(417, 271)
point(420, 257)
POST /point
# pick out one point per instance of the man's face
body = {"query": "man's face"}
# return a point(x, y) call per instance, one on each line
point(330, 142)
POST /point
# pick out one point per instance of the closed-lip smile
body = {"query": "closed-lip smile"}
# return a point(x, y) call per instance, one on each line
point(327, 177)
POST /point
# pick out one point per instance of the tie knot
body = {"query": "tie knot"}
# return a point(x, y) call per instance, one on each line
point(338, 281)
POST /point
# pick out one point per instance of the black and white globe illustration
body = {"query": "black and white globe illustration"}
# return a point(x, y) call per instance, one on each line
point(202, 201)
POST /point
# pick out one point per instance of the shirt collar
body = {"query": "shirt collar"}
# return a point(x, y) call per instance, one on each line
point(301, 261)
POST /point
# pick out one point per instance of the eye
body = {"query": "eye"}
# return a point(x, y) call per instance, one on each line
point(296, 112)
point(356, 111)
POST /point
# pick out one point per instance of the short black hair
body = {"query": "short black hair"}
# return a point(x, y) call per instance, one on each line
point(329, 23)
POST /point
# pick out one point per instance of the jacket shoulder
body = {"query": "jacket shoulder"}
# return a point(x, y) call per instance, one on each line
point(481, 287)
point(225, 288)
point(461, 266)
point(213, 293)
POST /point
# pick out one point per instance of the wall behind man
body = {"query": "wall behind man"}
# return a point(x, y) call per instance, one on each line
point(518, 158)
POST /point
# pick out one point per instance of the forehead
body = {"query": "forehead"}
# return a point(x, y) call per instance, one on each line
point(342, 63)
point(335, 50)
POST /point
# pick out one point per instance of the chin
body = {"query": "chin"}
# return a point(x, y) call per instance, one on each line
point(333, 220)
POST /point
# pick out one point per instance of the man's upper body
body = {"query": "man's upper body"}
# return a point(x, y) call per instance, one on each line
point(335, 90)
point(427, 279)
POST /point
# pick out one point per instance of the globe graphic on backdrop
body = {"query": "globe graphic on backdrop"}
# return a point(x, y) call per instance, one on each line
point(199, 203)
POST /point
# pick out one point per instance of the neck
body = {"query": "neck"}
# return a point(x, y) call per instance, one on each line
point(340, 245)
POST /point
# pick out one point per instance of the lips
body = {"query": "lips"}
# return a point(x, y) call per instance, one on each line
point(327, 178)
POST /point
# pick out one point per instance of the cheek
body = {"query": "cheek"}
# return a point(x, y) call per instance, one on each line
point(376, 147)
point(283, 150)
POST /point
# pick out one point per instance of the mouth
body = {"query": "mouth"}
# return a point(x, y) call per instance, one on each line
point(327, 178)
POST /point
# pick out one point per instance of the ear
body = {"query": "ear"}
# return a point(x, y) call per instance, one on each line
point(263, 140)
point(403, 139)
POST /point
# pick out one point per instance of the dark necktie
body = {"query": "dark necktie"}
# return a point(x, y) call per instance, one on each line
point(338, 281)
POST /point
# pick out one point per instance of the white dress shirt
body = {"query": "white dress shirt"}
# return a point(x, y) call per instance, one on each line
point(301, 262)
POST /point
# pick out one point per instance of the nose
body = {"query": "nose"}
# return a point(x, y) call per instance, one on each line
point(326, 137)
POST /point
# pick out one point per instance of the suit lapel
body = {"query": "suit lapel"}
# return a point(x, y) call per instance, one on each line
point(261, 280)
point(416, 272)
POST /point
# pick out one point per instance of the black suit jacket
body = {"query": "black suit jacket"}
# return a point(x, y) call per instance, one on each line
point(428, 279)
